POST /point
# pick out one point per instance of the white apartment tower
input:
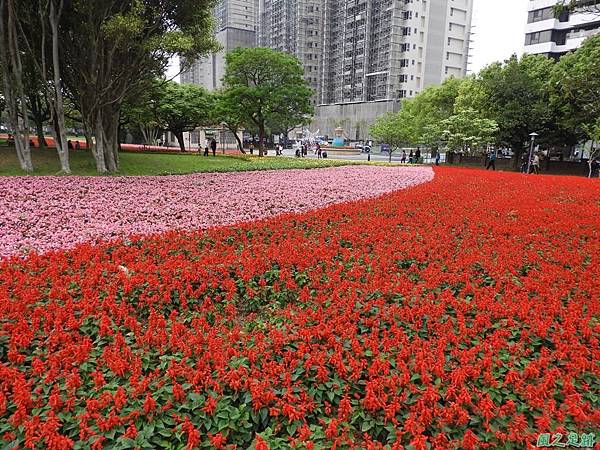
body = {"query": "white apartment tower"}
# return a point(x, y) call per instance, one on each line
point(554, 35)
point(236, 26)
point(377, 52)
point(295, 27)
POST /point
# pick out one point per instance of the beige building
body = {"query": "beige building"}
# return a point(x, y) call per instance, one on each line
point(378, 52)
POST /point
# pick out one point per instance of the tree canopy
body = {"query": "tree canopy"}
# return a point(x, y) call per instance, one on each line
point(467, 130)
point(514, 94)
point(225, 111)
point(182, 107)
point(266, 88)
point(97, 53)
point(393, 130)
point(576, 86)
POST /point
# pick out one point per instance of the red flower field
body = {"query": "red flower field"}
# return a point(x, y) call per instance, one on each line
point(463, 313)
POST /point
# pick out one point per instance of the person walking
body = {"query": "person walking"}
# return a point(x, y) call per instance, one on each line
point(213, 146)
point(418, 156)
point(252, 148)
point(437, 157)
point(319, 151)
point(206, 145)
point(403, 159)
point(524, 160)
point(491, 161)
point(410, 157)
point(535, 165)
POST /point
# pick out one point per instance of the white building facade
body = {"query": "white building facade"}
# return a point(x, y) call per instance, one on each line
point(377, 52)
point(554, 35)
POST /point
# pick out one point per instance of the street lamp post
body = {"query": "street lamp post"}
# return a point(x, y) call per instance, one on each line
point(533, 136)
point(223, 137)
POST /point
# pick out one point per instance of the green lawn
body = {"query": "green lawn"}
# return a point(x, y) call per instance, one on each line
point(46, 163)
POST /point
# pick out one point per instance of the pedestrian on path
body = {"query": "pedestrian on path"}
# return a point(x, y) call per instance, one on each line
point(535, 165)
point(437, 158)
point(403, 159)
point(410, 157)
point(418, 156)
point(206, 145)
point(524, 160)
point(491, 161)
point(213, 146)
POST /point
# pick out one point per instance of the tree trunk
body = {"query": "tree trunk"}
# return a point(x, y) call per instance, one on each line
point(261, 137)
point(98, 149)
point(390, 155)
point(39, 129)
point(179, 136)
point(12, 72)
point(239, 141)
point(58, 107)
point(591, 160)
point(88, 136)
point(517, 153)
point(150, 133)
point(111, 141)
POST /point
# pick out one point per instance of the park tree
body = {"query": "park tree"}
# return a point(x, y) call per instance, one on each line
point(38, 24)
point(428, 108)
point(515, 95)
point(467, 131)
point(391, 129)
point(37, 101)
point(225, 111)
point(182, 107)
point(138, 110)
point(576, 87)
point(112, 47)
point(267, 89)
point(11, 65)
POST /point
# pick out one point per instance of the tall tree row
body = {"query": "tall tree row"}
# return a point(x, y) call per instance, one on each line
point(95, 53)
point(12, 79)
point(504, 103)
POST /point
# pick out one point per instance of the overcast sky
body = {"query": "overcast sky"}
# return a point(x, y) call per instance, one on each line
point(499, 28)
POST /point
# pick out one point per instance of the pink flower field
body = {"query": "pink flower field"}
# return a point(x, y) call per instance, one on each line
point(45, 213)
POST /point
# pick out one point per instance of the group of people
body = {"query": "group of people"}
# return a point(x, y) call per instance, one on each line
point(530, 165)
point(302, 150)
point(413, 158)
point(212, 144)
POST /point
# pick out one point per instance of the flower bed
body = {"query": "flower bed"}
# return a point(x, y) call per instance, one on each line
point(462, 313)
point(45, 213)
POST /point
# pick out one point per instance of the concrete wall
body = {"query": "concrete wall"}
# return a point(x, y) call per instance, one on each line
point(352, 117)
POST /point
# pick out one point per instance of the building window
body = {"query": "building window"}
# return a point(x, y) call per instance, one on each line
point(541, 14)
point(538, 37)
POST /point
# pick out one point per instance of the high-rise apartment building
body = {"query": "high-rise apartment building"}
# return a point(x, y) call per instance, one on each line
point(554, 35)
point(377, 52)
point(295, 27)
point(236, 26)
point(361, 57)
